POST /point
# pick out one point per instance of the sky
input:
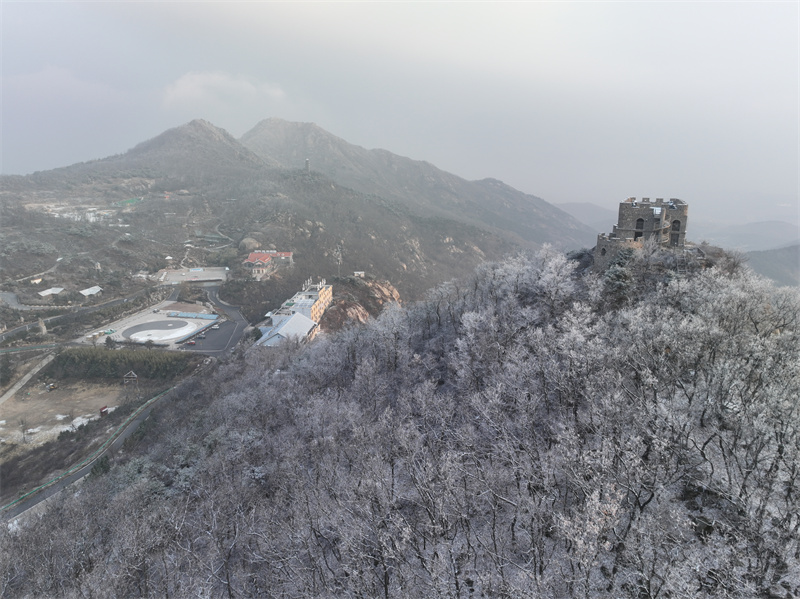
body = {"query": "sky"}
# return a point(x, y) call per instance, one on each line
point(569, 101)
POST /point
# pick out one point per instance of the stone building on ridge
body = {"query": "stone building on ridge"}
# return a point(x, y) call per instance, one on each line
point(663, 221)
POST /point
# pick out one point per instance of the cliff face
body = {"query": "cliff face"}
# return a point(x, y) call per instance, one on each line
point(382, 292)
point(357, 300)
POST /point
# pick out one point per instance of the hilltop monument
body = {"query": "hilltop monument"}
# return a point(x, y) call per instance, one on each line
point(663, 221)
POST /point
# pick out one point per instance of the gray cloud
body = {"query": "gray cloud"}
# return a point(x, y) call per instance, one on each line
point(569, 101)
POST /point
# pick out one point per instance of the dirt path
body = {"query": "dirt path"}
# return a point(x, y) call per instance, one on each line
point(23, 381)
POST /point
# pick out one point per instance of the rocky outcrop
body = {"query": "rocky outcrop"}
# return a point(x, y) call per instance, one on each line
point(357, 300)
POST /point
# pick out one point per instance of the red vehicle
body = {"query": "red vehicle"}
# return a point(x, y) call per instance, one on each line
point(192, 342)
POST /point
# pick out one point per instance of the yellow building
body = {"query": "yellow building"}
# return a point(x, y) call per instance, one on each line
point(311, 302)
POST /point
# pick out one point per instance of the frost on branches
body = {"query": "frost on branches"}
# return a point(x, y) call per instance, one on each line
point(529, 432)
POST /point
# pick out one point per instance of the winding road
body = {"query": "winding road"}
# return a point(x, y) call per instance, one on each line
point(223, 341)
point(77, 472)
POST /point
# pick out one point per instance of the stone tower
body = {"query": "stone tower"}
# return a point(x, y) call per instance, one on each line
point(663, 221)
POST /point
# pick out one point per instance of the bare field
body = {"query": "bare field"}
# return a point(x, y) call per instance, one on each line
point(44, 414)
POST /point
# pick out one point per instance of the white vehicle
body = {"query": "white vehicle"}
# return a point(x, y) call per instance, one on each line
point(214, 326)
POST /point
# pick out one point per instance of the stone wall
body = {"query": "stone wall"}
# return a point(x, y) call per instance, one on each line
point(607, 249)
point(662, 220)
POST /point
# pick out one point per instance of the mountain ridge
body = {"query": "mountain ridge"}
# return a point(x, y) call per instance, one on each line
point(782, 265)
point(414, 225)
point(202, 154)
point(417, 184)
point(197, 150)
point(195, 179)
point(196, 132)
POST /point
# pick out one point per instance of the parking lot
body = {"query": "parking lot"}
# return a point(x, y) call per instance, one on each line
point(171, 325)
point(192, 275)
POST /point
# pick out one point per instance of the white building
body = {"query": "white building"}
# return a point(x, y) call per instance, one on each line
point(51, 291)
point(91, 291)
point(297, 326)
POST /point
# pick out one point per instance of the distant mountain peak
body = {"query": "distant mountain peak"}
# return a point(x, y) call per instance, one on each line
point(196, 145)
point(199, 124)
point(420, 186)
point(276, 123)
point(289, 143)
point(193, 131)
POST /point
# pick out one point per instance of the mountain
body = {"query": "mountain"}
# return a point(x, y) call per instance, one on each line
point(196, 153)
point(398, 219)
point(756, 236)
point(197, 178)
point(419, 185)
point(781, 265)
point(519, 434)
point(595, 217)
point(196, 147)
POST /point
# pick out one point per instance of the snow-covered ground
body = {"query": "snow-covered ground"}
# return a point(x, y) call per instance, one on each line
point(43, 433)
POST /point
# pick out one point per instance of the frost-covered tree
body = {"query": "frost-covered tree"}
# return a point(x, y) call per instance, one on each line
point(527, 432)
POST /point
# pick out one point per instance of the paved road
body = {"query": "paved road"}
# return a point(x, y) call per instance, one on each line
point(24, 380)
point(230, 332)
point(35, 497)
point(81, 310)
point(217, 342)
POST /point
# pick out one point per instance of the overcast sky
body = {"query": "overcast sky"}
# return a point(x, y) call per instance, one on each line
point(573, 102)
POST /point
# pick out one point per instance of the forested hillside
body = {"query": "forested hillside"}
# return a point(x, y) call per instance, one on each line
point(782, 265)
point(527, 432)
